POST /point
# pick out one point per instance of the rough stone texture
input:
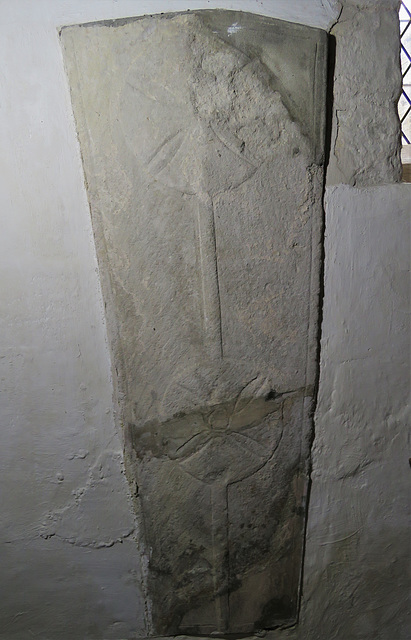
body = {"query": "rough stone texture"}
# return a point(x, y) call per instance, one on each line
point(201, 137)
point(365, 147)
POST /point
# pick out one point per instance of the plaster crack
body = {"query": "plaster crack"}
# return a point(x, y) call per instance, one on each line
point(337, 19)
point(351, 535)
point(93, 544)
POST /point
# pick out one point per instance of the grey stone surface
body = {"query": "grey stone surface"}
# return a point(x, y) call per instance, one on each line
point(201, 137)
point(365, 148)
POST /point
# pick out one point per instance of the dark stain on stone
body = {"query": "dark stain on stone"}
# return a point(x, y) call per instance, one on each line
point(275, 611)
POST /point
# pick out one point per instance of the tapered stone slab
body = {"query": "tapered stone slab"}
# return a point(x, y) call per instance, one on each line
point(202, 142)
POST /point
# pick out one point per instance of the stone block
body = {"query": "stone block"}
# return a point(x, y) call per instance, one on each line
point(365, 141)
point(202, 142)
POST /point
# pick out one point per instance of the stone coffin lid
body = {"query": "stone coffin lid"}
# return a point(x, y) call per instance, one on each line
point(202, 143)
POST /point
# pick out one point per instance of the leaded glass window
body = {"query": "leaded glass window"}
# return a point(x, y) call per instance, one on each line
point(404, 105)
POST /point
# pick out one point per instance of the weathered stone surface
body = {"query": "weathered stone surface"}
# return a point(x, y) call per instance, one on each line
point(365, 144)
point(201, 136)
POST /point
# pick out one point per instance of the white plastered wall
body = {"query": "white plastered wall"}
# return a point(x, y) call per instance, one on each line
point(70, 566)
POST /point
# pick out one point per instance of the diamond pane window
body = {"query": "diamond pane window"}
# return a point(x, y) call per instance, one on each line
point(404, 104)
